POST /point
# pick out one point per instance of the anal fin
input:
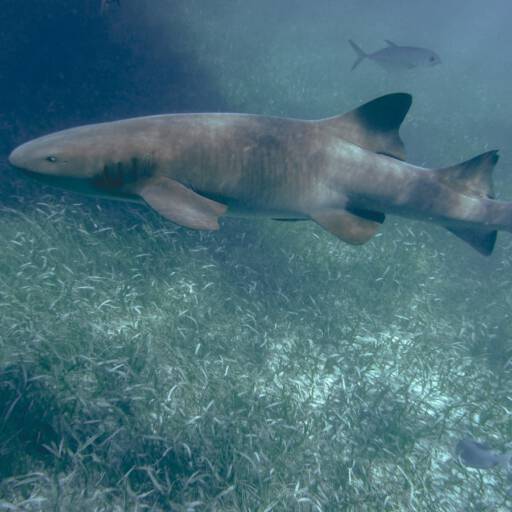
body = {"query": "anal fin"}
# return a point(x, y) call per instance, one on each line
point(180, 204)
point(349, 227)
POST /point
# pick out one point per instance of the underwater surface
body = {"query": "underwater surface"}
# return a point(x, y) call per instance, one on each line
point(266, 366)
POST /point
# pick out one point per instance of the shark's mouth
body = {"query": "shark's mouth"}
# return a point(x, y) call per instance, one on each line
point(82, 186)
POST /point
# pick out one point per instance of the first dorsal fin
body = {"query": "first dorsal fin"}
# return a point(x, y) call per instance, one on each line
point(472, 177)
point(390, 43)
point(374, 125)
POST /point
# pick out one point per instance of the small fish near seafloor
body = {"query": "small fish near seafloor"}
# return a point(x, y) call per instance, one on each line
point(395, 58)
point(346, 173)
point(478, 455)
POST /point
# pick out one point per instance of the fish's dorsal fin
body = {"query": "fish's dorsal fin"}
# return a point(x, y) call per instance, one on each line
point(472, 177)
point(374, 125)
point(390, 43)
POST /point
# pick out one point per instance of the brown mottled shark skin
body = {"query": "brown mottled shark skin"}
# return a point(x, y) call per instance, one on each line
point(345, 173)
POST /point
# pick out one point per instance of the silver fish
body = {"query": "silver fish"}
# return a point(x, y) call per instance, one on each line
point(395, 58)
point(474, 454)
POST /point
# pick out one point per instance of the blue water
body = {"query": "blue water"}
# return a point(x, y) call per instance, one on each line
point(266, 366)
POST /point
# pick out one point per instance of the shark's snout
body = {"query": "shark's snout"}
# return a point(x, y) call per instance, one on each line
point(42, 156)
point(16, 157)
point(27, 157)
point(72, 153)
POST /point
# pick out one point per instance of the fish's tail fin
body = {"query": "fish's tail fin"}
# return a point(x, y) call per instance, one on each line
point(361, 54)
point(473, 178)
point(507, 460)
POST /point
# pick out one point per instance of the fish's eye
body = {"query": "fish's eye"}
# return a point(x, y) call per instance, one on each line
point(51, 158)
point(432, 59)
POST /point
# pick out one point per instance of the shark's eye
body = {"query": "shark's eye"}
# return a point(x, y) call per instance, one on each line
point(51, 158)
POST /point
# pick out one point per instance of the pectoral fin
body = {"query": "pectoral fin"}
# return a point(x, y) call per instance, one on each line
point(180, 204)
point(351, 228)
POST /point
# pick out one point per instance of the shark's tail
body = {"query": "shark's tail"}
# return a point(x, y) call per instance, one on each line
point(361, 54)
point(474, 178)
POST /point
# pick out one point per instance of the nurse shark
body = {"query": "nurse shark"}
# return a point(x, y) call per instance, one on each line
point(346, 173)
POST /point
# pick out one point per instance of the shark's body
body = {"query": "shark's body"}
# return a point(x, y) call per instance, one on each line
point(345, 172)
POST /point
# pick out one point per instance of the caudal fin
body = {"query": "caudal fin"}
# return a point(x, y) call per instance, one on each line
point(361, 55)
point(473, 178)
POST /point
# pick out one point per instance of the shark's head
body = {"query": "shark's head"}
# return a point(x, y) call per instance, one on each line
point(90, 159)
point(73, 153)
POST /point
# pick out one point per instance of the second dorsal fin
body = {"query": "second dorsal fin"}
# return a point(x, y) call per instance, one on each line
point(374, 125)
point(472, 177)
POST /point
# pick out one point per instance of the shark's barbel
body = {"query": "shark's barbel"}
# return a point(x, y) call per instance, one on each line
point(345, 173)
